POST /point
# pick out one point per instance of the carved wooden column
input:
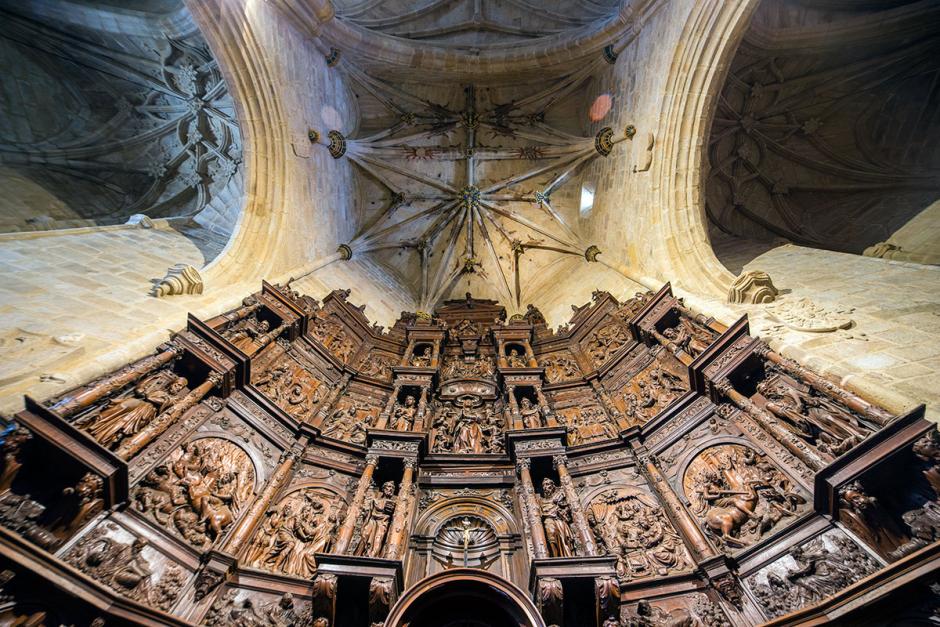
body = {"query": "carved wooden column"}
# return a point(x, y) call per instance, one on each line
point(246, 526)
point(324, 598)
point(436, 354)
point(771, 425)
point(419, 423)
point(352, 514)
point(706, 321)
point(382, 595)
point(269, 337)
point(550, 597)
point(699, 544)
point(826, 387)
point(501, 353)
point(409, 351)
point(539, 545)
point(550, 419)
point(608, 404)
point(114, 382)
point(671, 346)
point(606, 599)
point(400, 518)
point(164, 421)
point(327, 406)
point(574, 502)
point(382, 422)
point(514, 407)
point(530, 355)
point(241, 313)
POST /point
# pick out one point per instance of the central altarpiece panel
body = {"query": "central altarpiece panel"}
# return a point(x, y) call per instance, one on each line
point(288, 463)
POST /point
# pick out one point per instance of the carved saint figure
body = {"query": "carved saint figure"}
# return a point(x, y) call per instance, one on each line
point(345, 424)
point(377, 515)
point(531, 414)
point(125, 416)
point(688, 337)
point(515, 360)
point(403, 416)
point(556, 517)
point(469, 433)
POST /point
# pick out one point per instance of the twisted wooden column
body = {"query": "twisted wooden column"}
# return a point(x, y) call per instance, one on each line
point(241, 313)
point(164, 421)
point(400, 517)
point(826, 387)
point(345, 534)
point(550, 419)
point(537, 531)
point(114, 382)
point(419, 422)
point(574, 502)
point(771, 425)
point(246, 526)
point(514, 407)
point(382, 422)
point(698, 543)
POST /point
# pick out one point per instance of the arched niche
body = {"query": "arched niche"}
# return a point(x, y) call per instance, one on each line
point(465, 597)
point(494, 538)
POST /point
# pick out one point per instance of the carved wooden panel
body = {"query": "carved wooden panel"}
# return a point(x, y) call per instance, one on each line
point(581, 412)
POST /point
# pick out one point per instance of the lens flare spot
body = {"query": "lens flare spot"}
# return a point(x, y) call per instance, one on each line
point(600, 107)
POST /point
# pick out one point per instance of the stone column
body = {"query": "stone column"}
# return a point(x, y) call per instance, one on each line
point(539, 545)
point(399, 526)
point(246, 526)
point(548, 412)
point(352, 514)
point(687, 526)
point(826, 387)
point(574, 502)
point(771, 425)
point(115, 381)
point(327, 406)
point(164, 421)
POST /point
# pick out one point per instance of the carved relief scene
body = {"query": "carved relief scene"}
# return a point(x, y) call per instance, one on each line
point(739, 496)
point(450, 461)
point(198, 490)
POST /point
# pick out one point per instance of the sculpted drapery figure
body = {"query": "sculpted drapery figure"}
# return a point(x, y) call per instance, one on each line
point(244, 334)
point(688, 337)
point(377, 515)
point(293, 533)
point(817, 420)
point(531, 414)
point(345, 424)
point(468, 433)
point(515, 360)
point(556, 518)
point(125, 416)
point(403, 416)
